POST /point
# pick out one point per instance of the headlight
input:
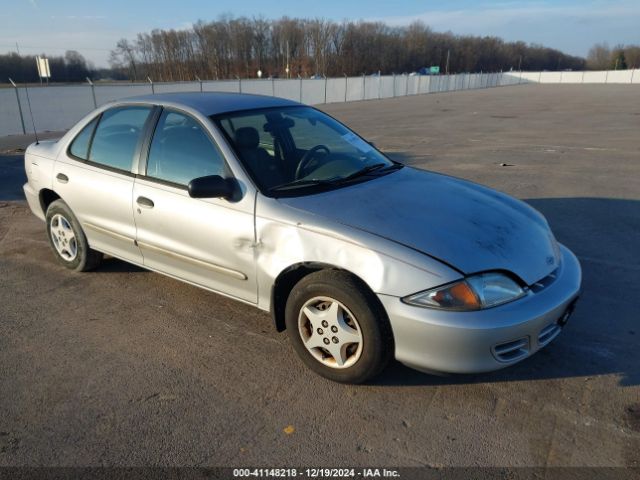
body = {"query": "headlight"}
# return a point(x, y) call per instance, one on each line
point(479, 291)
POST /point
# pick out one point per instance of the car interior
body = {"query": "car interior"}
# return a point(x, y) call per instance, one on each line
point(279, 147)
point(267, 167)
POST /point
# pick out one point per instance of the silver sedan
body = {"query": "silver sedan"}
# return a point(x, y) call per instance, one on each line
point(280, 206)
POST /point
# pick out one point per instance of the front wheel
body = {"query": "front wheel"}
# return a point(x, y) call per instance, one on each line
point(338, 327)
point(67, 239)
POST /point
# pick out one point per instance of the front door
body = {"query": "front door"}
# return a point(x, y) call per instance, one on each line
point(208, 242)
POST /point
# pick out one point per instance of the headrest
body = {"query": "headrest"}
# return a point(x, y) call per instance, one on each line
point(247, 138)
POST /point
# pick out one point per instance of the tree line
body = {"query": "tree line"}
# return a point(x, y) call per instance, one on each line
point(70, 67)
point(232, 47)
point(621, 57)
point(240, 47)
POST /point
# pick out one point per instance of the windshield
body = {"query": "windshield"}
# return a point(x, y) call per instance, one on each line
point(294, 149)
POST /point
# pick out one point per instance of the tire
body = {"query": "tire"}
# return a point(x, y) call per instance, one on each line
point(338, 327)
point(68, 241)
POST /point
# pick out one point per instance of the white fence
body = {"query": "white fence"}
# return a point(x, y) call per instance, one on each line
point(605, 76)
point(58, 107)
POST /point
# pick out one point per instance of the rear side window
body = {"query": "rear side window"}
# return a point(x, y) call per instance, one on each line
point(181, 151)
point(117, 136)
point(80, 145)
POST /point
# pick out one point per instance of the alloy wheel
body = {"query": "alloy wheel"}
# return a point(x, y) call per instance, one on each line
point(330, 332)
point(63, 237)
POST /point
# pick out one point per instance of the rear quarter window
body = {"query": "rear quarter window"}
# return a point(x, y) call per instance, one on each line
point(80, 145)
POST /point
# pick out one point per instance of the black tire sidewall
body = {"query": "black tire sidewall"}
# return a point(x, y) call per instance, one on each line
point(370, 315)
point(80, 261)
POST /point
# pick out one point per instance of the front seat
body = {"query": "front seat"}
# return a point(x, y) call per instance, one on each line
point(263, 166)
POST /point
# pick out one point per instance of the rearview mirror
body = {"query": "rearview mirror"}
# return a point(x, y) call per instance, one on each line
point(211, 186)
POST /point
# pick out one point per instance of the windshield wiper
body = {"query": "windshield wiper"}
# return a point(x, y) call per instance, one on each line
point(370, 168)
point(310, 182)
point(303, 182)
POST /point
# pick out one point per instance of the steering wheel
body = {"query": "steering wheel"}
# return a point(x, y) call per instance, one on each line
point(308, 157)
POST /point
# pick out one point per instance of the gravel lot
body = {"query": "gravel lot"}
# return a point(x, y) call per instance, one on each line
point(125, 367)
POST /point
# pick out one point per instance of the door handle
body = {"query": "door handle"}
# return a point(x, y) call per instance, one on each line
point(145, 202)
point(62, 178)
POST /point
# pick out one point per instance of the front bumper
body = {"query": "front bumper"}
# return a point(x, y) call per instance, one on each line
point(485, 340)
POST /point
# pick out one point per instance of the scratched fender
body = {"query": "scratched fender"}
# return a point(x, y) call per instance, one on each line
point(287, 236)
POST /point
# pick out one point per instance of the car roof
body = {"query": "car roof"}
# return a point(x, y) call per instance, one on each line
point(212, 103)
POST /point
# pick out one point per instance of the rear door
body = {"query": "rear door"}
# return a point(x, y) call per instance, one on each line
point(208, 242)
point(94, 178)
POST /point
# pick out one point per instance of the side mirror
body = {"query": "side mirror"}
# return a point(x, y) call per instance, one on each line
point(211, 186)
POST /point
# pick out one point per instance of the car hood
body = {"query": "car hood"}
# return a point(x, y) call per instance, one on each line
point(470, 227)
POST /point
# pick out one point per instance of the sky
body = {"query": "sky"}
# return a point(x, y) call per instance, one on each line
point(93, 27)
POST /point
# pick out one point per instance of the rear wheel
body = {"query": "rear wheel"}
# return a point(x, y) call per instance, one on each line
point(67, 239)
point(338, 327)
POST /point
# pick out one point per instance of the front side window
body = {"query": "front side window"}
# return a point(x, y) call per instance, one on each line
point(117, 136)
point(294, 148)
point(181, 150)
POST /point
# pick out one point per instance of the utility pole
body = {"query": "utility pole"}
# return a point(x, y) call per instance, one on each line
point(520, 64)
point(447, 66)
point(287, 69)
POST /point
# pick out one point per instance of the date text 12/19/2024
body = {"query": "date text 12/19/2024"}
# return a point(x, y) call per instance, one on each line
point(315, 473)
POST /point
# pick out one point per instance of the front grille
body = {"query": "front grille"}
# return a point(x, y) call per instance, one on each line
point(548, 333)
point(511, 351)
